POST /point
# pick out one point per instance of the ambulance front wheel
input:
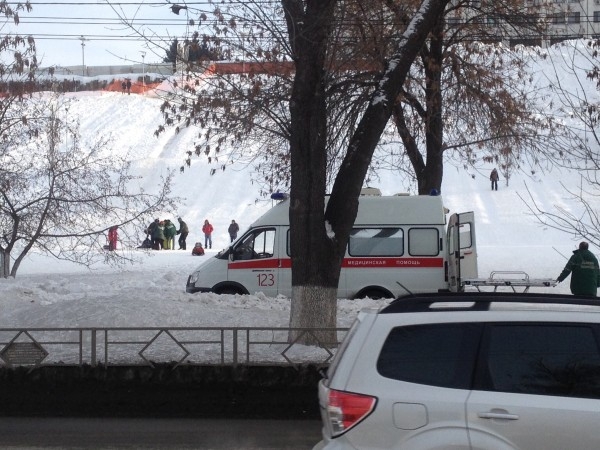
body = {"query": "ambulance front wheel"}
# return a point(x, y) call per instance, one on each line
point(230, 289)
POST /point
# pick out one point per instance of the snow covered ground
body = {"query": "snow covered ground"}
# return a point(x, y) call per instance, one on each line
point(50, 293)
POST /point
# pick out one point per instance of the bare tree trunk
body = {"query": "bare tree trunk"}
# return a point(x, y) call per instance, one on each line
point(434, 133)
point(4, 264)
point(314, 273)
point(317, 303)
point(429, 173)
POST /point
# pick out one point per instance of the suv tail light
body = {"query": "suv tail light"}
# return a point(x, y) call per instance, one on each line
point(347, 409)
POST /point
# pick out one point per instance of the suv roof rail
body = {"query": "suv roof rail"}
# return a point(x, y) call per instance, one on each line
point(478, 301)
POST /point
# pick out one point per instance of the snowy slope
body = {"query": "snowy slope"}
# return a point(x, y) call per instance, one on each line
point(51, 293)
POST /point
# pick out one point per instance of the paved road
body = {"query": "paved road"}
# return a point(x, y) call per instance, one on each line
point(114, 433)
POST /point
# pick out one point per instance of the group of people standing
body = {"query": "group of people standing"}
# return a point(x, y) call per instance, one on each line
point(162, 234)
point(126, 86)
point(208, 229)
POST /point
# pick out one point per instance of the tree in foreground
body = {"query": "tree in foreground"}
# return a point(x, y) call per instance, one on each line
point(303, 119)
point(342, 51)
point(318, 232)
point(62, 197)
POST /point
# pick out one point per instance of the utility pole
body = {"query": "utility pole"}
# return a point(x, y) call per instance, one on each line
point(143, 72)
point(82, 56)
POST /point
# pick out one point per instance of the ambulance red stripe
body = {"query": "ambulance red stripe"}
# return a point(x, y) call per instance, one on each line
point(348, 263)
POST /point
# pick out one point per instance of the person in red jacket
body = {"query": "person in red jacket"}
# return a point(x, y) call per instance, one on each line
point(207, 229)
point(112, 238)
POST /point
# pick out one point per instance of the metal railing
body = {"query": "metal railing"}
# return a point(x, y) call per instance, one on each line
point(127, 346)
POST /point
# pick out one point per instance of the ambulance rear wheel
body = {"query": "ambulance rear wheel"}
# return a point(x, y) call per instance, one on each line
point(374, 294)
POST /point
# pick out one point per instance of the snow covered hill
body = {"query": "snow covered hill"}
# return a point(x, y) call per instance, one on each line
point(503, 219)
point(51, 293)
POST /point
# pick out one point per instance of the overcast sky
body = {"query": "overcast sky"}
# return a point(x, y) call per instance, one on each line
point(58, 27)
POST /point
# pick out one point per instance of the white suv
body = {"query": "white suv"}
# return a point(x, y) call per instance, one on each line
point(467, 371)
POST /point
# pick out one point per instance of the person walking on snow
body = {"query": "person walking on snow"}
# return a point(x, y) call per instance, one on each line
point(584, 270)
point(207, 229)
point(233, 230)
point(184, 231)
point(494, 177)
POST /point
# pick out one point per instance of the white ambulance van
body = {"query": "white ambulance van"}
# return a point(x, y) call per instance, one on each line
point(399, 243)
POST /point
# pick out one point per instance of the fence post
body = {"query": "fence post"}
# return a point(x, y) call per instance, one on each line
point(235, 347)
point(94, 362)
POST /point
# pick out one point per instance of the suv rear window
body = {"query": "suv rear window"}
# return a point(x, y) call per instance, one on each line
point(542, 359)
point(434, 354)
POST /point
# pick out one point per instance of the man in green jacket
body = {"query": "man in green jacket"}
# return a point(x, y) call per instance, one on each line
point(170, 232)
point(585, 277)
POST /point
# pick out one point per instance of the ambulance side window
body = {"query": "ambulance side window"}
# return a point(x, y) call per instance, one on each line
point(256, 245)
point(423, 242)
point(376, 242)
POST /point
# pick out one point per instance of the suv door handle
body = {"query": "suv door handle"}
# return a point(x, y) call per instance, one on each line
point(498, 415)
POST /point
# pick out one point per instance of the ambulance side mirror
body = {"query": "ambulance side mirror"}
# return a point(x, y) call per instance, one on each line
point(235, 253)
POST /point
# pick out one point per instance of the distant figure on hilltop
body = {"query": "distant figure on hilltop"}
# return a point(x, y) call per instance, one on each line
point(494, 177)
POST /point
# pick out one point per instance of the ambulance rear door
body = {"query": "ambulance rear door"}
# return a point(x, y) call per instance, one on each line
point(461, 250)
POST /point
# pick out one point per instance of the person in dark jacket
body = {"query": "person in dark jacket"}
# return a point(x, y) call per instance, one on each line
point(233, 230)
point(183, 232)
point(156, 230)
point(494, 177)
point(151, 232)
point(584, 270)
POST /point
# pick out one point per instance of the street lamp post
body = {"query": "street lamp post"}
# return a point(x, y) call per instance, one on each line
point(143, 72)
point(82, 56)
